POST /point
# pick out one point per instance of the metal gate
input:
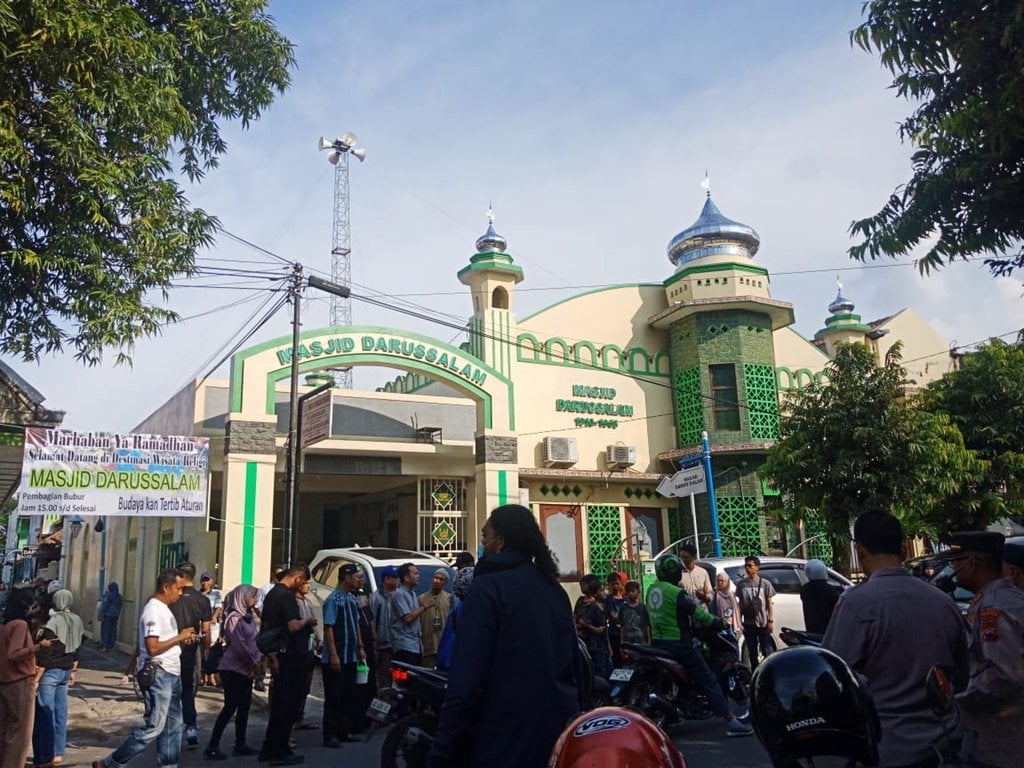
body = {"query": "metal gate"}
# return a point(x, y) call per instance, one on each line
point(441, 517)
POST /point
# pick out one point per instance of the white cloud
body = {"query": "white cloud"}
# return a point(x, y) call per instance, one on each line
point(589, 128)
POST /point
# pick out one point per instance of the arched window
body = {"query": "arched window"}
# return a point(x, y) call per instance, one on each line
point(499, 298)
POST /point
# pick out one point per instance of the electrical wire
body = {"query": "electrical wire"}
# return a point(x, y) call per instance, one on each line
point(221, 308)
point(459, 324)
point(238, 345)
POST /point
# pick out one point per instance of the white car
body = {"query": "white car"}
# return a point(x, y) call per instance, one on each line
point(787, 576)
point(325, 564)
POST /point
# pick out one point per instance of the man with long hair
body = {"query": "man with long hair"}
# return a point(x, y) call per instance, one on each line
point(515, 654)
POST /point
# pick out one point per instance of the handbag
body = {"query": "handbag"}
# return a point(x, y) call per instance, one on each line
point(146, 674)
point(274, 640)
point(213, 657)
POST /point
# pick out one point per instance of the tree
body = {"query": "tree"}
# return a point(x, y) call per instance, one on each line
point(95, 99)
point(855, 444)
point(984, 399)
point(962, 61)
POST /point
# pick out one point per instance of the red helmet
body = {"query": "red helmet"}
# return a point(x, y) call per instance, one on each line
point(612, 737)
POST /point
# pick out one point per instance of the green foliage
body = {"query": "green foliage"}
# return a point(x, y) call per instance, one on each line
point(984, 399)
point(856, 444)
point(95, 97)
point(962, 62)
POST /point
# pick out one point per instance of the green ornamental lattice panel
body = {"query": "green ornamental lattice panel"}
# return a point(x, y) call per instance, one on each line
point(818, 544)
point(689, 406)
point(675, 528)
point(604, 537)
point(743, 530)
point(762, 401)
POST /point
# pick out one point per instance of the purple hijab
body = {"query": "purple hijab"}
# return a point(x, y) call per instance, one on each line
point(236, 606)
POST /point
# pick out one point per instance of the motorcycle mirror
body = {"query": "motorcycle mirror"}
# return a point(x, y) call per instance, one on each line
point(939, 689)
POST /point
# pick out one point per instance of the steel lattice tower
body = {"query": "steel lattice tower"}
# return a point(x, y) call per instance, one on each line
point(341, 252)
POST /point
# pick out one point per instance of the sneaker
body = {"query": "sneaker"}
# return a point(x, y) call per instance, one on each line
point(735, 728)
point(243, 751)
point(212, 753)
point(292, 759)
point(192, 736)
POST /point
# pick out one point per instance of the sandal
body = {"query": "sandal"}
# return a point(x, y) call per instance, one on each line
point(305, 725)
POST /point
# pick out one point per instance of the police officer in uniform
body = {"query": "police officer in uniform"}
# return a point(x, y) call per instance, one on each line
point(893, 628)
point(671, 610)
point(993, 703)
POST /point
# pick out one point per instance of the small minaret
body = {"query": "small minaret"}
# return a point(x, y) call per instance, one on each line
point(843, 326)
point(492, 277)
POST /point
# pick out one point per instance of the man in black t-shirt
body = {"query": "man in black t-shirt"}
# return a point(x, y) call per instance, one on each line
point(192, 610)
point(288, 668)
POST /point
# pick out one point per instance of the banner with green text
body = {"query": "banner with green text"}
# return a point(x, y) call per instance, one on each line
point(99, 473)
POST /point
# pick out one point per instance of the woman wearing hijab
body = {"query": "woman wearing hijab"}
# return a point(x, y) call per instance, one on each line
point(110, 613)
point(238, 667)
point(17, 679)
point(58, 662)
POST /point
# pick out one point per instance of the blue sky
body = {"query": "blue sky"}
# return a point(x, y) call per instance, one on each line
point(589, 126)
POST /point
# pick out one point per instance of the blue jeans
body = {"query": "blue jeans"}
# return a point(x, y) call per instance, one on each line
point(162, 717)
point(108, 633)
point(50, 732)
point(688, 654)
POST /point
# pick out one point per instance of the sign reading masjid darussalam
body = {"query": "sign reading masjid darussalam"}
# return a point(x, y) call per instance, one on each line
point(391, 345)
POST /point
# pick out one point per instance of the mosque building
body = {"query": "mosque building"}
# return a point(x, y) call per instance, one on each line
point(577, 411)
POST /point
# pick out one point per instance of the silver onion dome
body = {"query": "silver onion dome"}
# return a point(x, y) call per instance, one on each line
point(713, 234)
point(491, 241)
point(841, 304)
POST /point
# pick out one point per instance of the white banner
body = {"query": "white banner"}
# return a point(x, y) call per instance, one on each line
point(99, 473)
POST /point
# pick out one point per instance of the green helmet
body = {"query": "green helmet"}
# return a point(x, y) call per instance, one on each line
point(669, 568)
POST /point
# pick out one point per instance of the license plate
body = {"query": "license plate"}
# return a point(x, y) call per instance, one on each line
point(621, 675)
point(378, 710)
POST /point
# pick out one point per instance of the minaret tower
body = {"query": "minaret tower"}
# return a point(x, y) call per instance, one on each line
point(720, 319)
point(843, 325)
point(492, 277)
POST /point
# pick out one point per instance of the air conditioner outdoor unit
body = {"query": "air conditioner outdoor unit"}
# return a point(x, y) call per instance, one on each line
point(621, 456)
point(560, 451)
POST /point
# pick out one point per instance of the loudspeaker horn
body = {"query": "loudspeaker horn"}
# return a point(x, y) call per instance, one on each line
point(324, 144)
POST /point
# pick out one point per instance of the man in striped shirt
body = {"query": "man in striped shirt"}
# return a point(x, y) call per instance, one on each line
point(343, 650)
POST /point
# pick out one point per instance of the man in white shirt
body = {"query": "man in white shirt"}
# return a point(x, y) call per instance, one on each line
point(159, 640)
point(695, 580)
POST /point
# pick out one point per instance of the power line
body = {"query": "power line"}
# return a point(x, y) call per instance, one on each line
point(238, 345)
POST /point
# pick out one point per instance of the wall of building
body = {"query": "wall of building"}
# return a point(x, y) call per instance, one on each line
point(592, 341)
point(925, 352)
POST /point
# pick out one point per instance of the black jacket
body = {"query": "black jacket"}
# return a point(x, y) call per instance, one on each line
point(512, 686)
point(819, 600)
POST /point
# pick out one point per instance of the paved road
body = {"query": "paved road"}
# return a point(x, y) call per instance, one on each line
point(102, 713)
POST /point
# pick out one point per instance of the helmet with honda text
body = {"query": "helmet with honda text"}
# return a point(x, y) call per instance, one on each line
point(668, 568)
point(611, 737)
point(807, 702)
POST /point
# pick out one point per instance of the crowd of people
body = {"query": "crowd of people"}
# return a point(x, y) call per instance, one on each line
point(39, 643)
point(509, 640)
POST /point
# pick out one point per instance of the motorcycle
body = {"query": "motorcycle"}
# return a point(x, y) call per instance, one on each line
point(410, 708)
point(792, 637)
point(659, 686)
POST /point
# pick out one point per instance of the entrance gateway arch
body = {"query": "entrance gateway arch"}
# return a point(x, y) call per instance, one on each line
point(250, 451)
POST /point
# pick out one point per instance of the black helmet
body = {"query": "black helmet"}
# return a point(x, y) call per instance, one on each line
point(806, 702)
point(668, 568)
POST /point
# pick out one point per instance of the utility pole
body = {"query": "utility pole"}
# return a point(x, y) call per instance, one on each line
point(292, 456)
point(291, 460)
